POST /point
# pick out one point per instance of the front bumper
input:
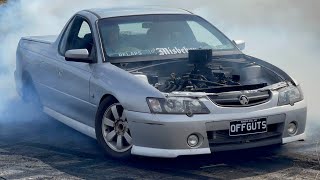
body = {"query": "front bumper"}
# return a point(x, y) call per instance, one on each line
point(163, 135)
point(167, 153)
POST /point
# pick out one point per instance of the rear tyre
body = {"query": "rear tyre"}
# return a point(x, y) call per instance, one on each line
point(112, 130)
point(29, 93)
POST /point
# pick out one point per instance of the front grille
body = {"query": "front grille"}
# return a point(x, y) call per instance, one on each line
point(220, 139)
point(232, 99)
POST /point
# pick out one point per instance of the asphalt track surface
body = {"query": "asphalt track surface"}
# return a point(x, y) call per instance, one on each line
point(35, 146)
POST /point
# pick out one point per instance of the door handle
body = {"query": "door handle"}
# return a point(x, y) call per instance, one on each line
point(60, 72)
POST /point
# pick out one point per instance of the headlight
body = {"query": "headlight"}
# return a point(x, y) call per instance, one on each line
point(290, 95)
point(177, 105)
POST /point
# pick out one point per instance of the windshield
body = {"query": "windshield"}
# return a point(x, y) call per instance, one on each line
point(159, 35)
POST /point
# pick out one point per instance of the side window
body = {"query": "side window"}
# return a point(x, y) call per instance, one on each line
point(77, 36)
point(64, 38)
point(84, 30)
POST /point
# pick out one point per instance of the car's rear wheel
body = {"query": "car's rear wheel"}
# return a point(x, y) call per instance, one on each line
point(29, 93)
point(112, 129)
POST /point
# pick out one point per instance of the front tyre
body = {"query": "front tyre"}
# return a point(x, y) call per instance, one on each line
point(112, 130)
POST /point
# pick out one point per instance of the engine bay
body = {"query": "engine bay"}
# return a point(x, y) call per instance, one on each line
point(202, 73)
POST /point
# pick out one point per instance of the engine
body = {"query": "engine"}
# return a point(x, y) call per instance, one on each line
point(204, 75)
point(200, 79)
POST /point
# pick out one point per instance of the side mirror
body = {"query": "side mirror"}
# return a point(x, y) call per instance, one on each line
point(78, 55)
point(241, 44)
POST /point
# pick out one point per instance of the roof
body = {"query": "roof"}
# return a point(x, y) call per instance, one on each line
point(130, 11)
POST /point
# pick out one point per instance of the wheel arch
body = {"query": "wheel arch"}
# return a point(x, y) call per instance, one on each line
point(29, 92)
point(105, 96)
point(26, 80)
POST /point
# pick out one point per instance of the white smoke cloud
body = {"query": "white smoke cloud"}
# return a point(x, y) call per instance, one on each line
point(285, 33)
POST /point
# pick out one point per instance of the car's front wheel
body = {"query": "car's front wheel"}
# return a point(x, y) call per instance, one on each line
point(112, 129)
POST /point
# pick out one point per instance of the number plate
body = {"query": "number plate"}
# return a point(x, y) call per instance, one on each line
point(251, 126)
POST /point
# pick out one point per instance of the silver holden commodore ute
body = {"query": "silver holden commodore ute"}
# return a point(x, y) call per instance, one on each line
point(158, 82)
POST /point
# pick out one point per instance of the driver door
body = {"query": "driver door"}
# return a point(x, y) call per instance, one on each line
point(74, 77)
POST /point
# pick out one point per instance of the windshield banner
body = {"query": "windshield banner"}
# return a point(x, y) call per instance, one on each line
point(156, 51)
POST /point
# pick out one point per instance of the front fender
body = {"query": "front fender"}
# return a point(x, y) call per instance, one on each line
point(130, 91)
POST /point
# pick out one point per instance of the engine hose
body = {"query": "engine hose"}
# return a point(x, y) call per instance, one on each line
point(166, 89)
point(174, 87)
point(179, 88)
point(210, 82)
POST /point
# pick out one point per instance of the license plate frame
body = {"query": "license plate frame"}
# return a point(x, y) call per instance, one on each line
point(237, 125)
